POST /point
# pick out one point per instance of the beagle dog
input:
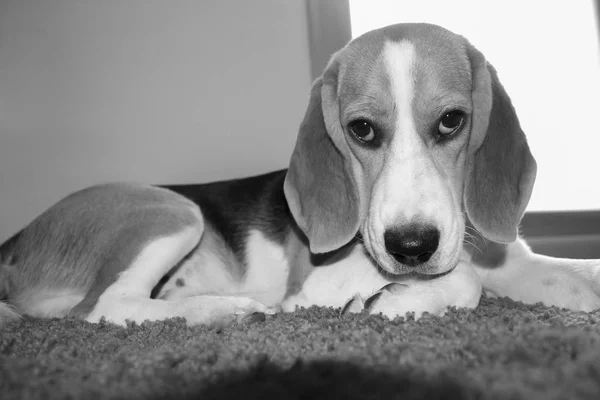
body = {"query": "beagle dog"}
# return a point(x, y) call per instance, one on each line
point(404, 194)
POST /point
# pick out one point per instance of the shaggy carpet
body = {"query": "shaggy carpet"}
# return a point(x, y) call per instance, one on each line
point(502, 350)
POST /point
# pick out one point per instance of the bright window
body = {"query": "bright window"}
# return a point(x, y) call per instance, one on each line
point(546, 54)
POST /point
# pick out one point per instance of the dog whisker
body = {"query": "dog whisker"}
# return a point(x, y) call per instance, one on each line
point(473, 244)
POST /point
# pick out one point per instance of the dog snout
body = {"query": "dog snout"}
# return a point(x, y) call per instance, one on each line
point(412, 245)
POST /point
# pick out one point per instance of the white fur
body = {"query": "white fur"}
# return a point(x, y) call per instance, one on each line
point(401, 170)
point(334, 284)
point(267, 270)
point(206, 272)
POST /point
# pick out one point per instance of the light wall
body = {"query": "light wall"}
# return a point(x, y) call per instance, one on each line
point(144, 90)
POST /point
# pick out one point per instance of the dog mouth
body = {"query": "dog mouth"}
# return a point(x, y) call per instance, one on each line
point(421, 273)
point(416, 273)
point(424, 272)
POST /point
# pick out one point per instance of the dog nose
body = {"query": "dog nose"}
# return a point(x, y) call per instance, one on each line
point(412, 245)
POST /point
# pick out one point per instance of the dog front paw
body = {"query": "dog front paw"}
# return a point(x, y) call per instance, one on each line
point(397, 300)
point(460, 288)
point(392, 300)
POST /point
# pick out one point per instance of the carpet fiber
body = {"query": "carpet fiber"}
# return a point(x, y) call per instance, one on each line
point(504, 349)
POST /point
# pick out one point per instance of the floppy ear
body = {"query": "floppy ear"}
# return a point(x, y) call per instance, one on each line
point(500, 168)
point(320, 186)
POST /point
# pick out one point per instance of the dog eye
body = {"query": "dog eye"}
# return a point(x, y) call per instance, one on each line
point(362, 130)
point(451, 122)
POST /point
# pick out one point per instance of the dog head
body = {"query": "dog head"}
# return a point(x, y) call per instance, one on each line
point(408, 132)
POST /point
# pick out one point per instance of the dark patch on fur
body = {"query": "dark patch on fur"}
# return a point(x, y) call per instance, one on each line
point(179, 282)
point(235, 207)
point(156, 290)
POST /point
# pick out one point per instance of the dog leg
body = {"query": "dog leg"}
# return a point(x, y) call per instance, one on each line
point(531, 278)
point(128, 299)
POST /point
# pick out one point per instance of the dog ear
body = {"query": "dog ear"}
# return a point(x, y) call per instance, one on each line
point(320, 185)
point(500, 168)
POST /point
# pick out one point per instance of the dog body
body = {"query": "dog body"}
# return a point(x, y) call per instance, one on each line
point(408, 144)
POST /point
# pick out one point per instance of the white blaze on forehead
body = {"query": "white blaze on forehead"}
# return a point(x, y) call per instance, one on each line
point(399, 60)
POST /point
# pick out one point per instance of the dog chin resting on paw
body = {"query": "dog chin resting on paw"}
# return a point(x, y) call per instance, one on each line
point(409, 153)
